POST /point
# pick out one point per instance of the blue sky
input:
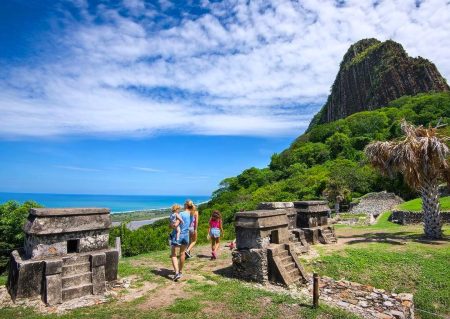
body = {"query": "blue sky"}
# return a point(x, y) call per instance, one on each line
point(170, 97)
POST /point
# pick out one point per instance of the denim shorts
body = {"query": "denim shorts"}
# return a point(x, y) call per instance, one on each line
point(184, 239)
point(214, 232)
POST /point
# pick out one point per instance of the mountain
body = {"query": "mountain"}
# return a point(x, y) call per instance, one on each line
point(374, 73)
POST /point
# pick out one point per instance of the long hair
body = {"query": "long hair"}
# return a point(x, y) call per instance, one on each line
point(216, 215)
point(189, 205)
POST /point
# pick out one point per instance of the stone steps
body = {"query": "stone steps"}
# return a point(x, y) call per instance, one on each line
point(76, 292)
point(77, 280)
point(289, 266)
point(294, 276)
point(76, 269)
point(75, 259)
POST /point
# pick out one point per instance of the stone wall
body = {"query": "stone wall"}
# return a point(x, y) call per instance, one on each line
point(367, 301)
point(376, 203)
point(250, 264)
point(56, 244)
point(408, 217)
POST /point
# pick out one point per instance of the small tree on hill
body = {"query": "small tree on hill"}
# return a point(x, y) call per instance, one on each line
point(421, 157)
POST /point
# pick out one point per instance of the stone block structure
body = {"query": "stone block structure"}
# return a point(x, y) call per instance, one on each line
point(65, 255)
point(312, 218)
point(270, 239)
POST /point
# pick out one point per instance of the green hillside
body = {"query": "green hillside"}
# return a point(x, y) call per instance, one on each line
point(329, 157)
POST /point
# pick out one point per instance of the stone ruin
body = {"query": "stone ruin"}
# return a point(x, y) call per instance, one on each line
point(269, 240)
point(65, 255)
point(312, 219)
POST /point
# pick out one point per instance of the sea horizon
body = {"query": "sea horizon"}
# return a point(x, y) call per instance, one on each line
point(117, 203)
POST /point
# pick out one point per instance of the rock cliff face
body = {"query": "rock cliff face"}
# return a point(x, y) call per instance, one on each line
point(373, 73)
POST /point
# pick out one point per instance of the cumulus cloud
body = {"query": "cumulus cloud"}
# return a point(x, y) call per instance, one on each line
point(217, 68)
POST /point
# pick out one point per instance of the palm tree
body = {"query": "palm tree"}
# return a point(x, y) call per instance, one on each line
point(421, 157)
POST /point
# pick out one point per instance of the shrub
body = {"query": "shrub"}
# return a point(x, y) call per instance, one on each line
point(12, 218)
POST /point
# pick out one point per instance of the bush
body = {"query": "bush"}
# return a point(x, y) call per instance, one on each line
point(12, 218)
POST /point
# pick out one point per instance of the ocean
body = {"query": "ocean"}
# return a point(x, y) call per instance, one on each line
point(117, 203)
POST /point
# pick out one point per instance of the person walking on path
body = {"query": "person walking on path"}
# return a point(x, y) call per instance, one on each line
point(215, 231)
point(182, 243)
point(189, 205)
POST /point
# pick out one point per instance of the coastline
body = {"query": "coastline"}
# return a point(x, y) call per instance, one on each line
point(151, 210)
point(147, 215)
point(135, 224)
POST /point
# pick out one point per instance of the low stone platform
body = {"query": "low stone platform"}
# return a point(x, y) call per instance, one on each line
point(367, 301)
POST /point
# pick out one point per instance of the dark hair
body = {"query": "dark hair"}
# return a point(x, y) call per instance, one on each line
point(216, 215)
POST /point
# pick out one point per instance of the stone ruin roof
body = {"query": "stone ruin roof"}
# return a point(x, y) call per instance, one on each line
point(311, 206)
point(51, 221)
point(261, 219)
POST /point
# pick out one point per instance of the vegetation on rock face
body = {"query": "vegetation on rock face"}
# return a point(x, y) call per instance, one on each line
point(421, 157)
point(374, 73)
point(12, 218)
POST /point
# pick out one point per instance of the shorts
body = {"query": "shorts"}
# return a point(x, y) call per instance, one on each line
point(184, 239)
point(191, 230)
point(214, 232)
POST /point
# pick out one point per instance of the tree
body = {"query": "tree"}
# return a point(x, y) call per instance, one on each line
point(336, 192)
point(421, 157)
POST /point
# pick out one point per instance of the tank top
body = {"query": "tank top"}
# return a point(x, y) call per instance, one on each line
point(214, 223)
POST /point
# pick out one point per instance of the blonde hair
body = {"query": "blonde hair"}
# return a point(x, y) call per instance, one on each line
point(189, 205)
point(175, 208)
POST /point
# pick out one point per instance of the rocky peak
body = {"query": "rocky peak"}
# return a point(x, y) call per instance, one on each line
point(373, 73)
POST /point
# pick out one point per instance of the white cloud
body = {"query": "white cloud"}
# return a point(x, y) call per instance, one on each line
point(241, 68)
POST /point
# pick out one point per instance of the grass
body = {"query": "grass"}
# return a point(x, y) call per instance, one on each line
point(415, 205)
point(418, 267)
point(206, 295)
point(3, 280)
point(422, 268)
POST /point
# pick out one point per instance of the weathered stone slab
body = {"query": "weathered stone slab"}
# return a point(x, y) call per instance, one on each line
point(46, 225)
point(24, 277)
point(311, 206)
point(98, 280)
point(275, 205)
point(68, 211)
point(98, 259)
point(261, 219)
point(53, 266)
point(53, 289)
point(111, 265)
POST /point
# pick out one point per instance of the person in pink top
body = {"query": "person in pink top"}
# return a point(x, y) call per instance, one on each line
point(215, 231)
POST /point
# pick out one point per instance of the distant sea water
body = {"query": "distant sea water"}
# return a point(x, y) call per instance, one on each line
point(117, 203)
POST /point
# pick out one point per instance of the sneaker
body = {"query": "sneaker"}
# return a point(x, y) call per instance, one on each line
point(177, 277)
point(188, 254)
